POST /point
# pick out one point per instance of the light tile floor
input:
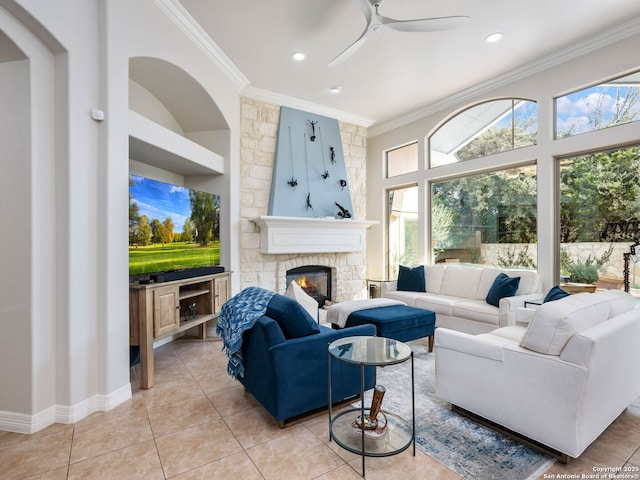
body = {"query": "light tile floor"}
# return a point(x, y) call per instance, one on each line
point(198, 423)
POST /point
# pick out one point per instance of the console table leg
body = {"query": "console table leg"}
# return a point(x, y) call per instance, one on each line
point(146, 342)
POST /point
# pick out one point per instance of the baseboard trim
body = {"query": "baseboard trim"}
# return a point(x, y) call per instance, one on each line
point(25, 423)
point(533, 444)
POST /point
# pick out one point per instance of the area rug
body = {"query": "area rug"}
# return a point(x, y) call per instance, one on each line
point(472, 451)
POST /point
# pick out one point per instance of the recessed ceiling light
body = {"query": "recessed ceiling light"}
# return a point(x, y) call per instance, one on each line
point(335, 89)
point(494, 37)
point(298, 56)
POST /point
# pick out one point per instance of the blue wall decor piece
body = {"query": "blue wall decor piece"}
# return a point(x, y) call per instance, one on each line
point(309, 173)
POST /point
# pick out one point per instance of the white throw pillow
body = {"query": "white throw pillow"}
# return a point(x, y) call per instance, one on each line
point(554, 323)
point(296, 292)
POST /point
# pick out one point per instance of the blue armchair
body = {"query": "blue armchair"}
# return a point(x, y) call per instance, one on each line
point(288, 376)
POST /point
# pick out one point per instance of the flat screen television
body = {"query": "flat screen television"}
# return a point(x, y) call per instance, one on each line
point(171, 229)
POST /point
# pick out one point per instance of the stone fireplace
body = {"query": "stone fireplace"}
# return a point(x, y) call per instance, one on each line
point(269, 270)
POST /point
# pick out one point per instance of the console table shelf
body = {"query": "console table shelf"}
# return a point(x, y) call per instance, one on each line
point(194, 293)
point(157, 310)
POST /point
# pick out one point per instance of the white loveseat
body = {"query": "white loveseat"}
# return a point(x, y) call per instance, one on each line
point(560, 381)
point(457, 293)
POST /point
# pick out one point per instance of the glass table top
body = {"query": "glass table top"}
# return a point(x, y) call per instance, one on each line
point(369, 350)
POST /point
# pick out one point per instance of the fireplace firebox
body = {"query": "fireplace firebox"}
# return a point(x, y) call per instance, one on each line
point(315, 280)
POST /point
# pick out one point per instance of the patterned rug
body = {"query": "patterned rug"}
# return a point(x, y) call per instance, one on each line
point(471, 450)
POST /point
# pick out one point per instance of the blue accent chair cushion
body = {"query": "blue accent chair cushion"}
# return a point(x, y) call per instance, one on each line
point(292, 317)
point(556, 293)
point(289, 377)
point(503, 286)
point(411, 279)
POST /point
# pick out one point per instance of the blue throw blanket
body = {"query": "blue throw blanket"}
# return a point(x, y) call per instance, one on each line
point(237, 315)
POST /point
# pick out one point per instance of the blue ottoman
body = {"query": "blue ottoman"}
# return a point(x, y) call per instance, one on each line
point(399, 322)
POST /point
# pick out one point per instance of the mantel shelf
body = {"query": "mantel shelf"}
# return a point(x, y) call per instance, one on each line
point(311, 235)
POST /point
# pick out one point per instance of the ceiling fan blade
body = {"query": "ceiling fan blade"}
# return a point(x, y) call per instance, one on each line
point(353, 48)
point(426, 24)
point(365, 8)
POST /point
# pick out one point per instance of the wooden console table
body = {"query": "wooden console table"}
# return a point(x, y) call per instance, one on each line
point(157, 310)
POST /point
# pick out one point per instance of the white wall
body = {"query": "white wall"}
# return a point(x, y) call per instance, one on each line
point(15, 245)
point(66, 355)
point(614, 60)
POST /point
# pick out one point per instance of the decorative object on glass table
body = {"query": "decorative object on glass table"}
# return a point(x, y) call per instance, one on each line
point(375, 422)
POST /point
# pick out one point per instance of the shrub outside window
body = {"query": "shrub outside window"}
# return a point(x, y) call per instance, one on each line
point(489, 218)
point(597, 190)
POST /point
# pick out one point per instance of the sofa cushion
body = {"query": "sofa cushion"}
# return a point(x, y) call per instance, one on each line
point(554, 323)
point(296, 292)
point(411, 279)
point(407, 297)
point(291, 316)
point(503, 286)
point(512, 333)
point(619, 301)
point(459, 281)
point(433, 275)
point(529, 280)
point(477, 310)
point(441, 304)
point(556, 293)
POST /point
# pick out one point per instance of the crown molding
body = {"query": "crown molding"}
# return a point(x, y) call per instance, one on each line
point(595, 42)
point(183, 19)
point(279, 99)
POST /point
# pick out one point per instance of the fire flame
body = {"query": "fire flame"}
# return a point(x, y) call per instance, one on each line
point(307, 285)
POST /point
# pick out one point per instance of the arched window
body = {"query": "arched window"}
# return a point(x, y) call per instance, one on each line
point(485, 129)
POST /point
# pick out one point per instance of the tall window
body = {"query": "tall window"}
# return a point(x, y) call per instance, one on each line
point(488, 218)
point(402, 160)
point(402, 231)
point(611, 103)
point(597, 190)
point(486, 129)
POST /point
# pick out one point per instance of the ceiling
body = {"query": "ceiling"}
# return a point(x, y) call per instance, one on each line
point(395, 73)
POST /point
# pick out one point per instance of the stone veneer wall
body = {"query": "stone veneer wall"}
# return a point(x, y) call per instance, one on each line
point(259, 131)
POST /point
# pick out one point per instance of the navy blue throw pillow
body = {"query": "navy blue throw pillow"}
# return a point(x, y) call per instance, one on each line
point(503, 286)
point(411, 279)
point(293, 319)
point(556, 293)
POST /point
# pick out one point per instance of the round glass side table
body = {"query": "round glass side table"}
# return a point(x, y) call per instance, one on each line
point(346, 428)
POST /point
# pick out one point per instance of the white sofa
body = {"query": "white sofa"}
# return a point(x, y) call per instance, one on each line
point(456, 293)
point(560, 381)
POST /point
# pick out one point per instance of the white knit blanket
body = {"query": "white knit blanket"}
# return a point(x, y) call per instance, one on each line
point(338, 313)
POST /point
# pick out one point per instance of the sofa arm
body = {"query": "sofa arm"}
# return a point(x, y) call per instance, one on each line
point(508, 306)
point(388, 287)
point(484, 346)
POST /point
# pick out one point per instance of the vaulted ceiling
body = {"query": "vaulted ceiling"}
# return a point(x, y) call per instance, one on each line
point(396, 73)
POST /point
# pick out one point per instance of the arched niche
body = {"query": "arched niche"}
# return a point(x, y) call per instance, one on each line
point(174, 123)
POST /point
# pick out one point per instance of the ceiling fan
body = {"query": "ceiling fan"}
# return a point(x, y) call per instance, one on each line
point(376, 24)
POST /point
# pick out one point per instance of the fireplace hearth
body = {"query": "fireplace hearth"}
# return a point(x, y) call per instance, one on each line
point(315, 280)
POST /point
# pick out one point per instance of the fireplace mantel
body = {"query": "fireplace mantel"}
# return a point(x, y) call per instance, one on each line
point(311, 235)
